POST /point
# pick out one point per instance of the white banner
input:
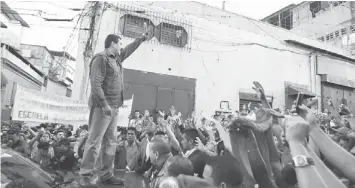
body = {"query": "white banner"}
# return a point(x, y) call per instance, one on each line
point(35, 106)
point(124, 112)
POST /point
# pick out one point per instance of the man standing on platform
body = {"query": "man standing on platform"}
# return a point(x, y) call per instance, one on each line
point(106, 78)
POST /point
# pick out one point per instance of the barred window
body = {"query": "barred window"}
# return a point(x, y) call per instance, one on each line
point(352, 29)
point(133, 26)
point(172, 34)
point(336, 33)
point(331, 36)
point(343, 31)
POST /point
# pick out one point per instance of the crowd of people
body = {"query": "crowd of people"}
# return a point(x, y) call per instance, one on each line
point(165, 146)
point(260, 147)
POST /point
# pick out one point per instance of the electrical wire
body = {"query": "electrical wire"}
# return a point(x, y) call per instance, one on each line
point(95, 43)
point(79, 19)
point(13, 10)
point(250, 44)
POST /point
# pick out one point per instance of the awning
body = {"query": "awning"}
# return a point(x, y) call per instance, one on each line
point(293, 90)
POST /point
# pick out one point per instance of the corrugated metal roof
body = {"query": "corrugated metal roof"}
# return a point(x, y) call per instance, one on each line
point(12, 14)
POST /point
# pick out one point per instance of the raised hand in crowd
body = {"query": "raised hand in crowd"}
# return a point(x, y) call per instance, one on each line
point(338, 157)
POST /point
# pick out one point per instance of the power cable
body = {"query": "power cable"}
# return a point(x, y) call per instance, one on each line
point(13, 10)
point(79, 19)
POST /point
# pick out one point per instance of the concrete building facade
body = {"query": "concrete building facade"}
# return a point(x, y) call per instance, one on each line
point(218, 53)
point(332, 22)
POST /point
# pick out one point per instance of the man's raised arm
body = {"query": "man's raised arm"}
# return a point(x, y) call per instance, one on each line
point(130, 48)
point(97, 76)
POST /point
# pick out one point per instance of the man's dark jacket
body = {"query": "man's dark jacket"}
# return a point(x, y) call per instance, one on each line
point(106, 76)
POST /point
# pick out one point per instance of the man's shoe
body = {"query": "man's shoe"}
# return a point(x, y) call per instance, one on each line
point(112, 181)
point(85, 181)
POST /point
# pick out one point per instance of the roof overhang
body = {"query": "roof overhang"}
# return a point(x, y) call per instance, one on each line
point(12, 14)
point(293, 90)
point(323, 50)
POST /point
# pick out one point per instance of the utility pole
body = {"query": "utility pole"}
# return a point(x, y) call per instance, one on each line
point(89, 50)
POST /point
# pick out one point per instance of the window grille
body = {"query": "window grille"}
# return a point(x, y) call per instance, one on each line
point(352, 29)
point(327, 37)
point(331, 36)
point(166, 29)
point(172, 34)
point(343, 31)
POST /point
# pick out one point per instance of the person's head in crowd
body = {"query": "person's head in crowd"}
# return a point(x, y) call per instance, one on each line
point(113, 43)
point(131, 134)
point(46, 137)
point(83, 134)
point(60, 134)
point(151, 118)
point(5, 128)
point(346, 123)
point(13, 136)
point(85, 127)
point(146, 113)
point(223, 171)
point(123, 135)
point(162, 136)
point(225, 122)
point(180, 165)
point(137, 114)
point(171, 121)
point(69, 133)
point(172, 111)
point(216, 135)
point(63, 145)
point(150, 130)
point(189, 139)
point(42, 127)
point(159, 152)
